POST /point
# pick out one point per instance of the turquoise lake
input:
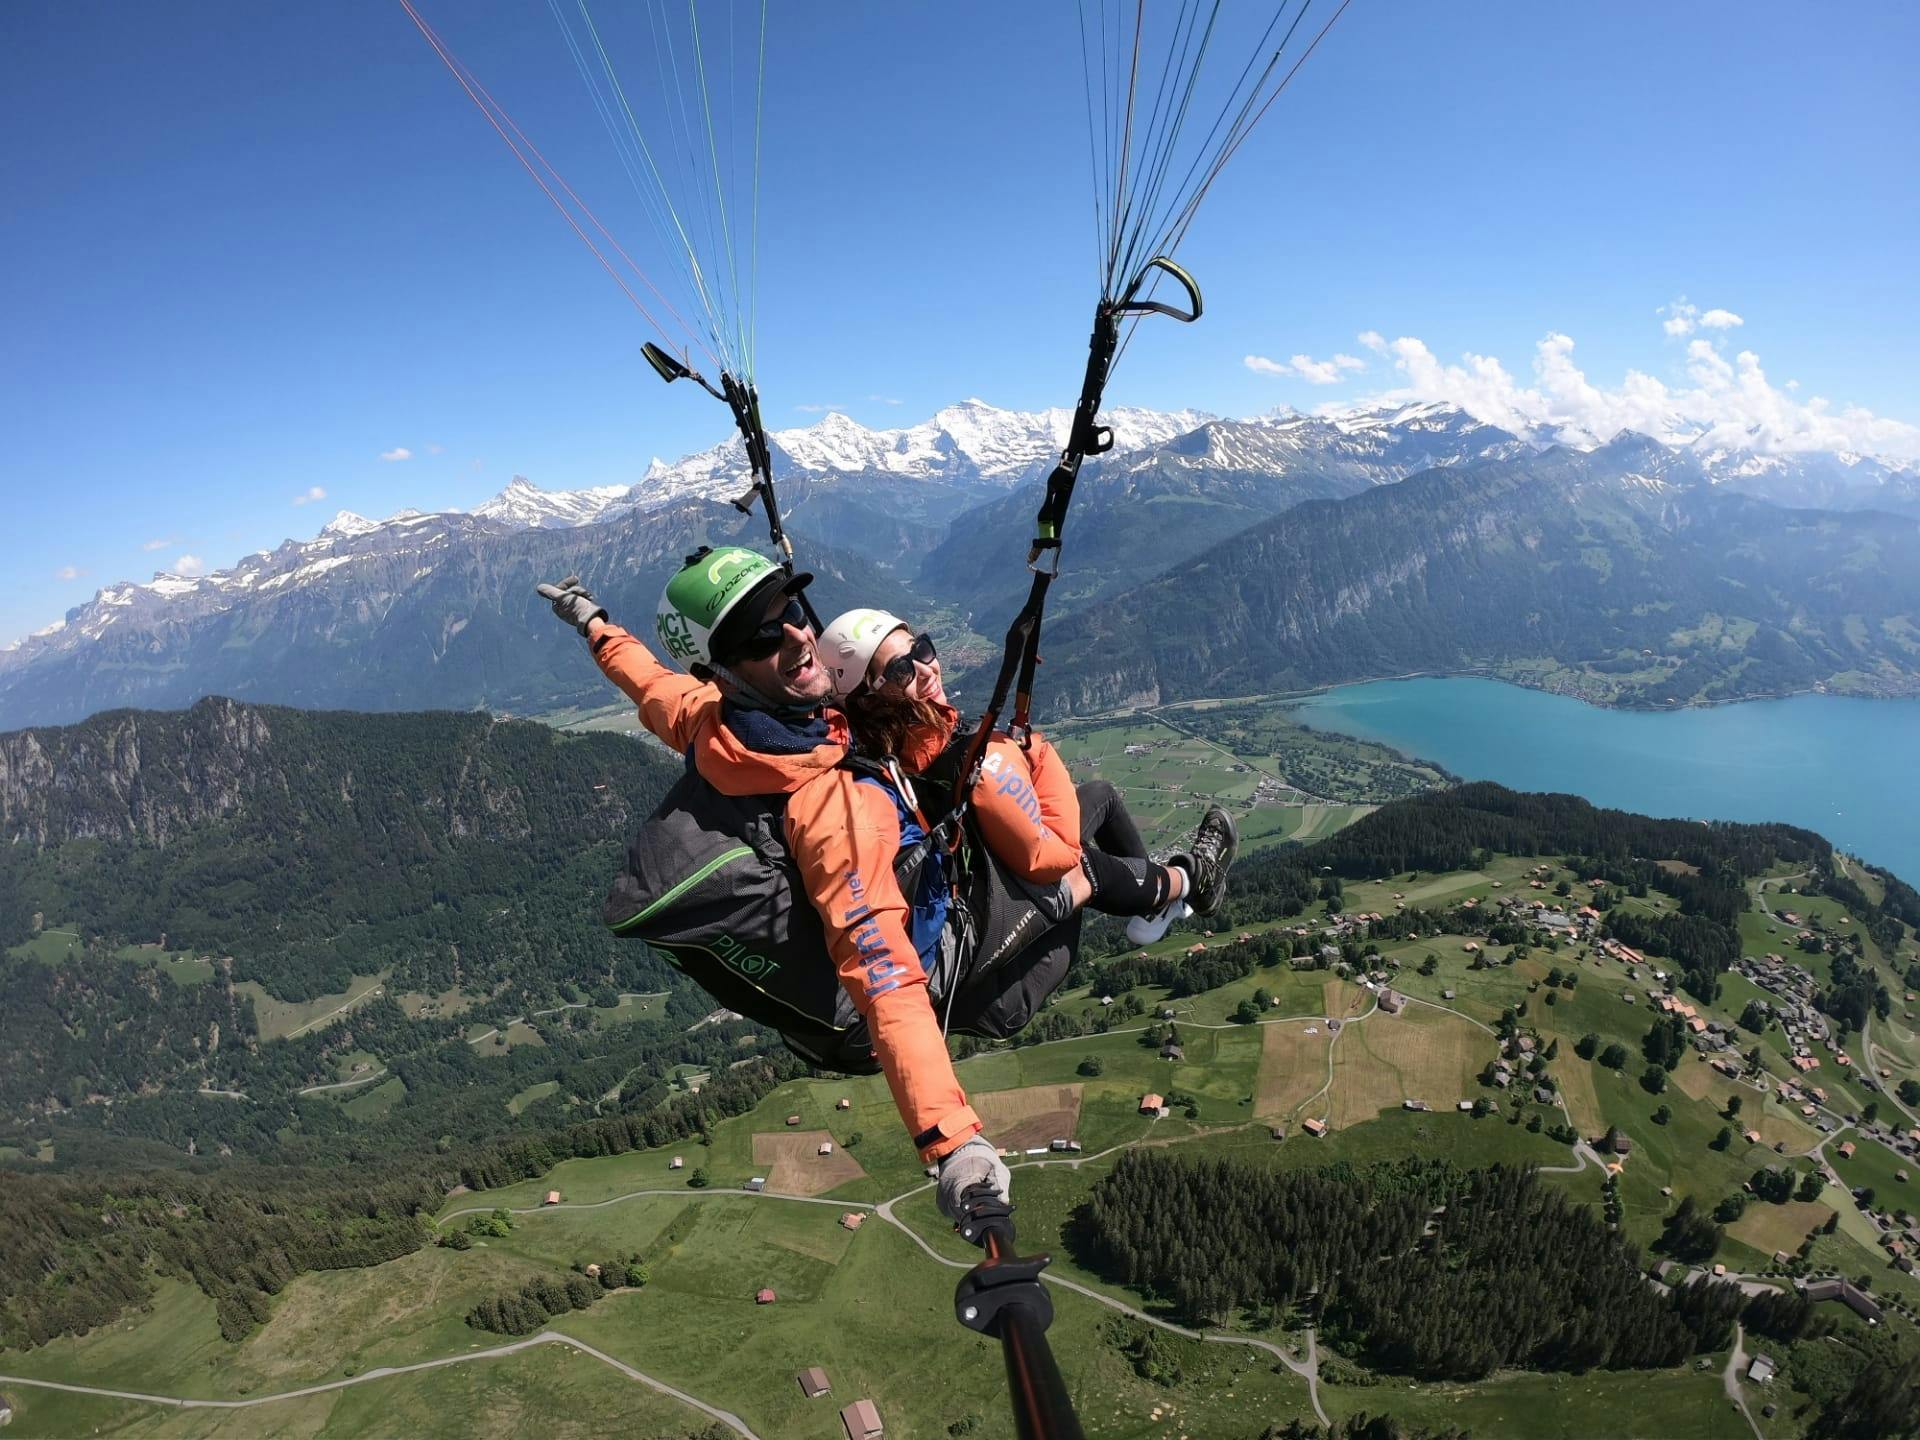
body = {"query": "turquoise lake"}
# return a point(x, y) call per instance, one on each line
point(1847, 768)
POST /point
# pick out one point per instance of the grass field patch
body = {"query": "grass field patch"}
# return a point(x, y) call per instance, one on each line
point(1293, 1067)
point(1419, 1054)
point(794, 1165)
point(1767, 1227)
point(285, 1019)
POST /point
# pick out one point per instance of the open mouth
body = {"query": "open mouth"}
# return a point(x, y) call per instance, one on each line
point(801, 669)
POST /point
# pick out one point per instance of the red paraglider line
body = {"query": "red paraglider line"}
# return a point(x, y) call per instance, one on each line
point(487, 106)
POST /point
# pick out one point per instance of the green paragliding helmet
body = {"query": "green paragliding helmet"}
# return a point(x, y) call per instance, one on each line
point(716, 599)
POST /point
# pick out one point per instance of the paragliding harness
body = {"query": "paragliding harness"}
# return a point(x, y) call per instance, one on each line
point(711, 884)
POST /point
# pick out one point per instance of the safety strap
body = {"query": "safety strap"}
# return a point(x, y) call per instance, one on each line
point(743, 400)
point(1021, 656)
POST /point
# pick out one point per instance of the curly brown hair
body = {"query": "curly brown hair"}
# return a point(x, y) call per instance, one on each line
point(881, 721)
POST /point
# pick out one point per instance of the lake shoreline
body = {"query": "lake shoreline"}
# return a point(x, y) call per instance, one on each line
point(1844, 766)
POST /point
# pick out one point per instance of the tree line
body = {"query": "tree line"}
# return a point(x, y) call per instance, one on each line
point(1417, 1267)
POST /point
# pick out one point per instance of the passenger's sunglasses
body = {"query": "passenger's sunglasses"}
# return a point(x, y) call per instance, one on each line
point(899, 670)
point(762, 642)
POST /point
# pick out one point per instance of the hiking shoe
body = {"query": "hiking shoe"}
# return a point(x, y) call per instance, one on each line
point(1145, 929)
point(1209, 860)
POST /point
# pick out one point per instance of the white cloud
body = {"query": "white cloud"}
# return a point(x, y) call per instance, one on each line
point(189, 565)
point(436, 449)
point(820, 409)
point(68, 572)
point(883, 399)
point(311, 495)
point(1305, 367)
point(1680, 317)
point(1720, 320)
point(1719, 401)
point(399, 452)
point(151, 545)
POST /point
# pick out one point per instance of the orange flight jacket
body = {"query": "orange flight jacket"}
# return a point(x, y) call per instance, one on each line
point(844, 836)
point(1025, 801)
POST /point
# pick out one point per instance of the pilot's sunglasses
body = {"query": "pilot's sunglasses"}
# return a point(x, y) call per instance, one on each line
point(899, 670)
point(773, 633)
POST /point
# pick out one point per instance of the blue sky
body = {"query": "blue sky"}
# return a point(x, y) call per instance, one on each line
point(250, 249)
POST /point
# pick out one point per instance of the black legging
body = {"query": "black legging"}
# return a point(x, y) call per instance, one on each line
point(1114, 856)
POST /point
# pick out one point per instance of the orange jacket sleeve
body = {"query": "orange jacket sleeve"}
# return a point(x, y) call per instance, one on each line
point(671, 704)
point(1028, 809)
point(844, 836)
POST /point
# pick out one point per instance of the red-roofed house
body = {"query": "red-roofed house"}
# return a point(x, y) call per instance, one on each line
point(765, 1297)
point(1846, 1149)
point(862, 1420)
point(1151, 1104)
point(553, 1198)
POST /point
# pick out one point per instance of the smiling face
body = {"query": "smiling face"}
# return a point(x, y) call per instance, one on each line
point(926, 683)
point(793, 674)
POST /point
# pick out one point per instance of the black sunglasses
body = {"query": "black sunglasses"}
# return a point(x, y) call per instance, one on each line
point(899, 670)
point(760, 643)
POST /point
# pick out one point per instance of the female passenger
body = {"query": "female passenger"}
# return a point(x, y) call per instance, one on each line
point(889, 684)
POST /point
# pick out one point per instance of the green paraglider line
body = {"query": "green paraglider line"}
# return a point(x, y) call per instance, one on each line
point(495, 114)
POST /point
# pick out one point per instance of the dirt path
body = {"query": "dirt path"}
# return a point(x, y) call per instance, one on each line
point(343, 1084)
point(1730, 1377)
point(1886, 1091)
point(684, 1192)
point(545, 1337)
point(352, 1000)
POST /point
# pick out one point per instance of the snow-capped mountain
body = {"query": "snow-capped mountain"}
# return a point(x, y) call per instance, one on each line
point(426, 609)
point(973, 445)
point(524, 505)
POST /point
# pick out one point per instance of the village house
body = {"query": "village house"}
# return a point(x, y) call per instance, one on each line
point(813, 1383)
point(1846, 1150)
point(1391, 1002)
point(764, 1297)
point(852, 1220)
point(862, 1420)
point(553, 1198)
point(1151, 1104)
point(826, 1147)
point(1843, 1291)
point(793, 1119)
point(1315, 1128)
point(757, 1183)
point(843, 1103)
point(678, 1162)
point(1761, 1371)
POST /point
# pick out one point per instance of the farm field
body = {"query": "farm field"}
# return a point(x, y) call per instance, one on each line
point(1420, 1054)
point(284, 1019)
point(849, 1300)
point(1169, 776)
point(55, 945)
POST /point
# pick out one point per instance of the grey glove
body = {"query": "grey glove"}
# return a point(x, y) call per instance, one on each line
point(974, 1163)
point(573, 603)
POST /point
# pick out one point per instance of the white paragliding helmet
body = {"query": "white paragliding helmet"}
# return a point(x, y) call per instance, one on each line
point(846, 646)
